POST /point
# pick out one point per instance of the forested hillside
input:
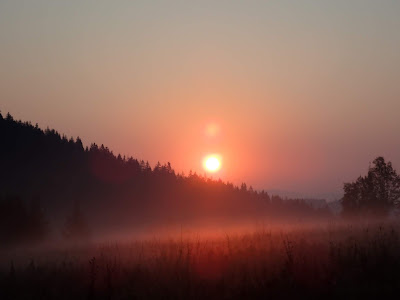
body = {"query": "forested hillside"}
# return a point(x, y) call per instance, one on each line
point(116, 192)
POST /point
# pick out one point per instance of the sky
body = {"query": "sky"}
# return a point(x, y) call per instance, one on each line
point(296, 96)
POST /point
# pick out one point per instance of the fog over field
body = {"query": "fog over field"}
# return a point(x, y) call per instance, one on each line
point(199, 149)
point(79, 222)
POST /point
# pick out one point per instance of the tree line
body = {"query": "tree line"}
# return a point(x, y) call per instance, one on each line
point(117, 191)
point(22, 222)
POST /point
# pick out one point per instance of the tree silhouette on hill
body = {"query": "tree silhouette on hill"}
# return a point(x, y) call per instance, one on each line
point(374, 194)
point(120, 191)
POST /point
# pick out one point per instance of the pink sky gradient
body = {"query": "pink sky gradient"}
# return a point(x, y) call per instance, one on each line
point(296, 97)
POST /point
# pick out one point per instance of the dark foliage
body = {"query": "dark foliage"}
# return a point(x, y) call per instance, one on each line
point(20, 222)
point(374, 194)
point(121, 192)
point(76, 227)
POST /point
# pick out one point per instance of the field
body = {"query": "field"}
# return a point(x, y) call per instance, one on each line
point(271, 262)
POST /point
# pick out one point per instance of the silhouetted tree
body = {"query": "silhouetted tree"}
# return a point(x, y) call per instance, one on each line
point(38, 225)
point(76, 227)
point(376, 193)
point(276, 200)
point(18, 224)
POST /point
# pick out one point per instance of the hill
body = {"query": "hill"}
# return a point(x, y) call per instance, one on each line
point(115, 192)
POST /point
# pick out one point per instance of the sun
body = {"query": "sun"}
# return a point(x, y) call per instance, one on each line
point(212, 163)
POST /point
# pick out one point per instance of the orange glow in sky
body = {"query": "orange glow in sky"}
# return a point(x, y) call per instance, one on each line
point(212, 130)
point(288, 107)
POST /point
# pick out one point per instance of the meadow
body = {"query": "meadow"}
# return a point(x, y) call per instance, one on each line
point(329, 260)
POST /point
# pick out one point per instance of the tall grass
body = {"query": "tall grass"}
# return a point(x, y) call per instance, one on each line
point(330, 261)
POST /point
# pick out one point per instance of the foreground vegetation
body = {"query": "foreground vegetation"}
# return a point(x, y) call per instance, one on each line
point(330, 261)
